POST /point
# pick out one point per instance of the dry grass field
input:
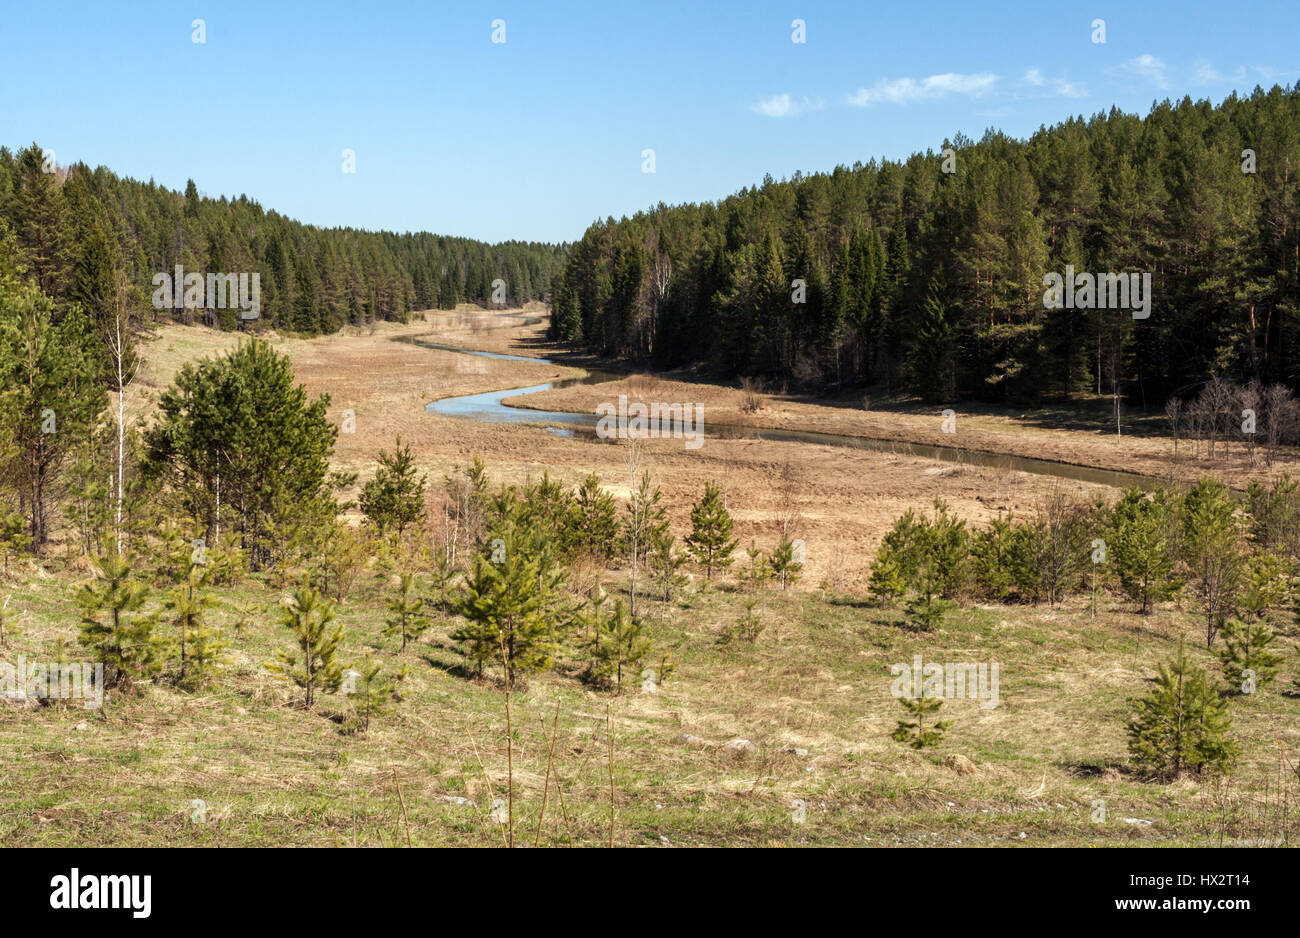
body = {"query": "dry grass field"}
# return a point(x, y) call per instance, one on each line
point(785, 741)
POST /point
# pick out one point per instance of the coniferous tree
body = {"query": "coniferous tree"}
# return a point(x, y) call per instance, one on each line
point(373, 692)
point(310, 618)
point(926, 609)
point(619, 645)
point(407, 617)
point(785, 563)
point(886, 582)
point(50, 372)
point(508, 600)
point(1143, 559)
point(115, 625)
point(710, 540)
point(198, 646)
point(44, 227)
point(1182, 724)
point(597, 519)
point(913, 730)
point(666, 562)
point(1249, 664)
point(236, 432)
point(394, 498)
point(1213, 552)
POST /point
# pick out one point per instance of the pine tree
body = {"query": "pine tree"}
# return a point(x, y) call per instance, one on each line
point(886, 583)
point(1213, 552)
point(1266, 584)
point(240, 426)
point(407, 616)
point(1142, 557)
point(666, 562)
point(199, 646)
point(373, 692)
point(508, 600)
point(309, 617)
point(394, 498)
point(620, 644)
point(645, 517)
point(1248, 663)
point(997, 567)
point(597, 519)
point(749, 625)
point(13, 536)
point(926, 610)
point(759, 572)
point(114, 625)
point(784, 562)
point(710, 540)
point(914, 731)
point(1182, 724)
point(52, 375)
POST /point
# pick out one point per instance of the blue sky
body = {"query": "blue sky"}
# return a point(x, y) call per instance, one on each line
point(536, 137)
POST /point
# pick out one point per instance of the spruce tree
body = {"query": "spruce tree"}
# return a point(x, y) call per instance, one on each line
point(44, 226)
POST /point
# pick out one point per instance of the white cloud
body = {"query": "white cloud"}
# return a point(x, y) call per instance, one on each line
point(1062, 86)
point(782, 105)
point(1149, 67)
point(907, 90)
point(1206, 74)
point(779, 105)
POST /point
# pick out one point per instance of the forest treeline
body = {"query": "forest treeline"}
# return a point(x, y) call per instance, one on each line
point(927, 281)
point(75, 227)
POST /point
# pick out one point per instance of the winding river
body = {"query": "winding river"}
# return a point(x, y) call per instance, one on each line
point(490, 407)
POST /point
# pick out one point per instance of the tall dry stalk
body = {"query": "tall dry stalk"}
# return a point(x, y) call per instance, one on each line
point(609, 731)
point(550, 761)
point(405, 821)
